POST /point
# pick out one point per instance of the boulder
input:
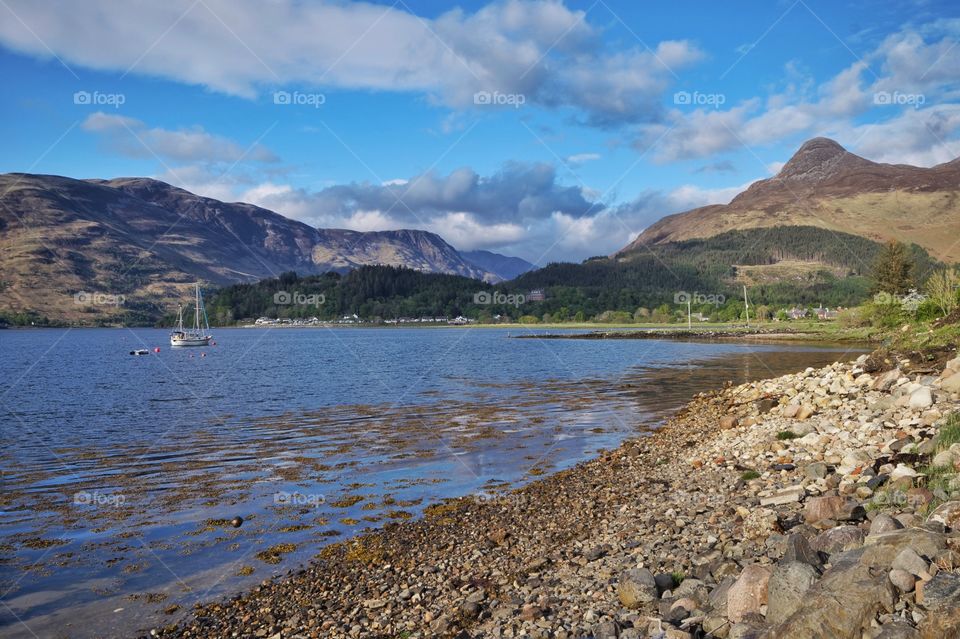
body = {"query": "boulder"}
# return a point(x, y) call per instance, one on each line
point(788, 585)
point(816, 470)
point(909, 560)
point(951, 384)
point(833, 507)
point(897, 629)
point(884, 523)
point(902, 579)
point(948, 514)
point(941, 597)
point(728, 421)
point(842, 604)
point(887, 381)
point(748, 593)
point(880, 550)
point(799, 549)
point(637, 589)
point(838, 540)
point(788, 495)
point(921, 398)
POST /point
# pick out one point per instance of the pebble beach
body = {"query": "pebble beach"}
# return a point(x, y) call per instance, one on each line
point(816, 504)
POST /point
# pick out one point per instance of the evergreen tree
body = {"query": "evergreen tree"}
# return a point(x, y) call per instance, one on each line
point(893, 270)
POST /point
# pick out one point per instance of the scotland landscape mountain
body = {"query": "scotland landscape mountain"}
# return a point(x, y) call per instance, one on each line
point(825, 185)
point(808, 235)
point(66, 245)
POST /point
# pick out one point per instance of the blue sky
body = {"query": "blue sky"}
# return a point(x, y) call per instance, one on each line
point(548, 130)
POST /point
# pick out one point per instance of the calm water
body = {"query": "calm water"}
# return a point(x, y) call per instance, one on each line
point(120, 473)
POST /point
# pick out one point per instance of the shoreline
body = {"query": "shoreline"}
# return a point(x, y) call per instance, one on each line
point(716, 495)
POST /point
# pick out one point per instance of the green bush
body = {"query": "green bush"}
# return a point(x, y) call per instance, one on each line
point(884, 314)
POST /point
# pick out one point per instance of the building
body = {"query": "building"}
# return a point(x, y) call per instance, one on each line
point(536, 295)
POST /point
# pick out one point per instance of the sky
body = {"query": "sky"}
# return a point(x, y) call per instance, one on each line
point(553, 131)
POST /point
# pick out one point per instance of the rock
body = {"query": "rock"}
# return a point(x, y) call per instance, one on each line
point(921, 398)
point(941, 596)
point(765, 405)
point(882, 549)
point(841, 604)
point(531, 612)
point(943, 459)
point(692, 589)
point(789, 495)
point(816, 470)
point(948, 514)
point(637, 589)
point(805, 412)
point(606, 630)
point(785, 591)
point(716, 626)
point(886, 381)
point(884, 523)
point(902, 579)
point(748, 593)
point(663, 581)
point(791, 410)
point(833, 507)
point(903, 471)
point(470, 609)
point(951, 384)
point(909, 560)
point(799, 549)
point(728, 421)
point(839, 539)
point(897, 630)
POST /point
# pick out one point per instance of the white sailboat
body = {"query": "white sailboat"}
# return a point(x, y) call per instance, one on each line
point(196, 335)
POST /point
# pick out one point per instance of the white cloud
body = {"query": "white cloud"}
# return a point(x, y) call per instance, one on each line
point(918, 70)
point(541, 49)
point(582, 158)
point(133, 138)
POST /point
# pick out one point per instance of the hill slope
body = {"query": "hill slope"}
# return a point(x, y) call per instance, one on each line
point(825, 185)
point(505, 268)
point(147, 241)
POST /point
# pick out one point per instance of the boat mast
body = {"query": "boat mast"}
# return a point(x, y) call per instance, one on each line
point(196, 314)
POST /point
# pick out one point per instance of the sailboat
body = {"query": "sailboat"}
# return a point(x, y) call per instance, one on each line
point(196, 335)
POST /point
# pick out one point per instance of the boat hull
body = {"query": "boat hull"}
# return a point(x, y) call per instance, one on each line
point(190, 341)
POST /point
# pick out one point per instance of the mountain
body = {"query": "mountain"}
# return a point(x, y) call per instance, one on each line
point(147, 241)
point(825, 185)
point(505, 268)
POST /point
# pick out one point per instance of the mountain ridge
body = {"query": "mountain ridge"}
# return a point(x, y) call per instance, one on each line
point(825, 185)
point(145, 240)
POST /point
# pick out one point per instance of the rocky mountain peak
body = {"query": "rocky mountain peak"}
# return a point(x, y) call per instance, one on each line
point(816, 160)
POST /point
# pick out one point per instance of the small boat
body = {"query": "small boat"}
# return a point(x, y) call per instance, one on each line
point(140, 351)
point(198, 334)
